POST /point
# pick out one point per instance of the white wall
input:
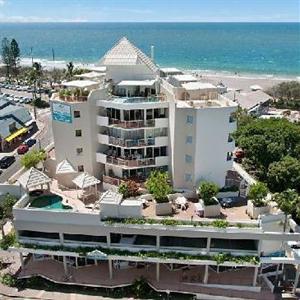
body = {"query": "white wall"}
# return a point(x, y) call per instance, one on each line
point(210, 130)
point(131, 72)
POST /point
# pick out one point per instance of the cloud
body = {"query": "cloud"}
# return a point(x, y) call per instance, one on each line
point(32, 19)
point(2, 2)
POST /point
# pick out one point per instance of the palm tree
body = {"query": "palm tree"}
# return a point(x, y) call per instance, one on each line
point(288, 201)
point(70, 69)
point(35, 76)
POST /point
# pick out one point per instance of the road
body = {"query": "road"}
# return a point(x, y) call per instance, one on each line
point(22, 93)
point(44, 138)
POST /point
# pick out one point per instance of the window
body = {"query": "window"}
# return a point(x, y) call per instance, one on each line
point(189, 139)
point(229, 155)
point(80, 168)
point(188, 177)
point(78, 132)
point(79, 151)
point(189, 119)
point(76, 114)
point(188, 159)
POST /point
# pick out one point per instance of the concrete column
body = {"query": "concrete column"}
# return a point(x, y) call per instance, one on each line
point(157, 272)
point(296, 278)
point(157, 242)
point(61, 238)
point(110, 269)
point(205, 278)
point(259, 247)
point(108, 240)
point(255, 276)
point(21, 260)
point(96, 262)
point(65, 265)
point(208, 245)
point(76, 262)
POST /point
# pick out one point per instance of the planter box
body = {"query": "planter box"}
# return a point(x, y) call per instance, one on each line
point(254, 212)
point(211, 210)
point(228, 194)
point(163, 209)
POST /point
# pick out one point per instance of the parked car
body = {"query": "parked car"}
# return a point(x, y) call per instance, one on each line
point(30, 142)
point(22, 149)
point(7, 161)
point(228, 202)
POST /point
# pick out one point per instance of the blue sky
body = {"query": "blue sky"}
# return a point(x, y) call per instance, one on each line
point(149, 10)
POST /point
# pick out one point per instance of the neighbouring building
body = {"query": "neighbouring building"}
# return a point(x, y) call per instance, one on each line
point(15, 122)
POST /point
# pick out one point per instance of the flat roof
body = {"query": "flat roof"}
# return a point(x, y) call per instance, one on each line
point(170, 70)
point(136, 83)
point(198, 85)
point(80, 83)
point(90, 75)
point(185, 78)
point(101, 69)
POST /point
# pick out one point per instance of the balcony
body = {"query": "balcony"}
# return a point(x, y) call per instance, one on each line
point(130, 163)
point(131, 143)
point(131, 124)
point(102, 121)
point(103, 139)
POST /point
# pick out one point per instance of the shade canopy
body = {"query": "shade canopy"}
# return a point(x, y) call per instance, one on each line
point(85, 180)
point(33, 178)
point(65, 167)
point(136, 83)
point(90, 75)
point(80, 84)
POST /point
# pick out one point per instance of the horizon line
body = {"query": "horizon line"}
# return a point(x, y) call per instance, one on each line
point(120, 22)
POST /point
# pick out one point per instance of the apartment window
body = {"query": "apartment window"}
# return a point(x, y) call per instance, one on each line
point(79, 151)
point(80, 168)
point(78, 132)
point(188, 159)
point(189, 139)
point(188, 177)
point(189, 119)
point(76, 114)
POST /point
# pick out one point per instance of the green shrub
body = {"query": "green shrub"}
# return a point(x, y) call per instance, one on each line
point(220, 223)
point(8, 280)
point(207, 191)
point(8, 240)
point(158, 185)
point(257, 193)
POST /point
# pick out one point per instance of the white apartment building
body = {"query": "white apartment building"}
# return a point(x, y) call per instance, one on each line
point(132, 121)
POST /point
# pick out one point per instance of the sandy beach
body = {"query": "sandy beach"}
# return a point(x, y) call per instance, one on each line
point(243, 81)
point(231, 80)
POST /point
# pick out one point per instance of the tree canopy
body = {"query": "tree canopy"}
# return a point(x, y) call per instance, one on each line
point(267, 142)
point(207, 191)
point(258, 193)
point(32, 158)
point(158, 185)
point(286, 94)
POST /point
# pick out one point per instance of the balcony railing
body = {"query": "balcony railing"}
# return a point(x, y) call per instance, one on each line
point(131, 143)
point(132, 124)
point(117, 181)
point(131, 163)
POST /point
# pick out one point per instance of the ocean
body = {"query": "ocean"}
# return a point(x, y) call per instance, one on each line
point(255, 48)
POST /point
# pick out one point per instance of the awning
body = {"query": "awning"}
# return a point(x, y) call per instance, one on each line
point(16, 134)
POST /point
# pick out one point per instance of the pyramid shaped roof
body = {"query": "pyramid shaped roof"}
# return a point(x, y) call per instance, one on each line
point(125, 53)
point(33, 178)
point(85, 180)
point(65, 167)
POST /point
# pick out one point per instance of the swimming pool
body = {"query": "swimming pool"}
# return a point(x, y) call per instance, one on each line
point(49, 202)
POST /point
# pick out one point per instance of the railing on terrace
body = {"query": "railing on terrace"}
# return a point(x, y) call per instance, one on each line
point(130, 162)
point(138, 99)
point(131, 124)
point(71, 98)
point(131, 143)
point(117, 181)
